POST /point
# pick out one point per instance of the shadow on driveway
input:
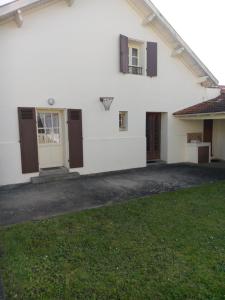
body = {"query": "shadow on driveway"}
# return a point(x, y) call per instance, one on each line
point(34, 202)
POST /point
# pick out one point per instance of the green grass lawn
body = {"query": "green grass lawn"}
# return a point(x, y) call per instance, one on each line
point(169, 246)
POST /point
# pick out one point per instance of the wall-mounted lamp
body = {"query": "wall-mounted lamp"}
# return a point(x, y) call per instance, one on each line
point(107, 102)
point(51, 101)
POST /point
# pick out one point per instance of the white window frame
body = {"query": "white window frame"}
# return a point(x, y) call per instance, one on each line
point(131, 56)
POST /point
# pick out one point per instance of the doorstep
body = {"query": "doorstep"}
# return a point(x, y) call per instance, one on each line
point(53, 171)
point(53, 174)
point(156, 162)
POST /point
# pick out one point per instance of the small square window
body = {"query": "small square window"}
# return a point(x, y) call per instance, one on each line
point(123, 120)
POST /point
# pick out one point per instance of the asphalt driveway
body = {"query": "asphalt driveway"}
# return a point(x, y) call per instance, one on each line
point(34, 202)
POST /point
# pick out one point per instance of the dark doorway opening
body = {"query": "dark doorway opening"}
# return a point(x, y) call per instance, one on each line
point(153, 136)
point(208, 133)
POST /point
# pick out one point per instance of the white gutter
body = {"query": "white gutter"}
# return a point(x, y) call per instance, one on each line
point(14, 10)
point(14, 6)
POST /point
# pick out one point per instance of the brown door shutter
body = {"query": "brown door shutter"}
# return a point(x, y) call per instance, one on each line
point(152, 59)
point(28, 139)
point(124, 55)
point(208, 133)
point(75, 138)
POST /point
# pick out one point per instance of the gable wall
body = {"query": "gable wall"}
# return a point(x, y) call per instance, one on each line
point(72, 54)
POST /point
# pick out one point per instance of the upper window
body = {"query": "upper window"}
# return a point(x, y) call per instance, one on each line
point(48, 128)
point(135, 58)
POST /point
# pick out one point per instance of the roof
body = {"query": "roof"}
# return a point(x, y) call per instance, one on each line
point(216, 105)
point(151, 17)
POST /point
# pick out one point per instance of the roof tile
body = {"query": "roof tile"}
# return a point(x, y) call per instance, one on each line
point(215, 105)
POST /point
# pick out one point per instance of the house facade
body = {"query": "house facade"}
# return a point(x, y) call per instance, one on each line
point(63, 62)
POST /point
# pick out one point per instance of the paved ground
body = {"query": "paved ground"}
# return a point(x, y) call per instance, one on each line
point(33, 202)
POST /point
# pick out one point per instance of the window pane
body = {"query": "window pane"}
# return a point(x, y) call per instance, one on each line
point(120, 120)
point(48, 120)
point(55, 118)
point(56, 136)
point(56, 130)
point(48, 128)
point(134, 61)
point(41, 119)
point(41, 139)
point(41, 130)
point(134, 52)
point(48, 136)
point(41, 136)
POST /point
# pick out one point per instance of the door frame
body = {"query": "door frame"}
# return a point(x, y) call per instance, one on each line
point(157, 155)
point(63, 131)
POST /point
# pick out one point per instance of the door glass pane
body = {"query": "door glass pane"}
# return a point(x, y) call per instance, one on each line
point(41, 136)
point(48, 135)
point(48, 128)
point(41, 120)
point(56, 136)
point(55, 118)
point(48, 120)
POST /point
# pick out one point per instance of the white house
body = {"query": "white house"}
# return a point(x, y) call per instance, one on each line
point(61, 64)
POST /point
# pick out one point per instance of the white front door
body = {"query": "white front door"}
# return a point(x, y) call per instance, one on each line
point(50, 139)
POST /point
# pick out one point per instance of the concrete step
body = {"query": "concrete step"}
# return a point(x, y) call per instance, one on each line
point(54, 171)
point(54, 177)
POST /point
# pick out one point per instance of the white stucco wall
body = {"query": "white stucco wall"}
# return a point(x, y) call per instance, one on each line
point(72, 54)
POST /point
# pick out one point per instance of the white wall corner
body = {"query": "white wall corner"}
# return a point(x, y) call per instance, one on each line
point(149, 19)
point(18, 18)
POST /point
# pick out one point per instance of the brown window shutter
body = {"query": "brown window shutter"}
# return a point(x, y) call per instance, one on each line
point(75, 138)
point(124, 55)
point(152, 59)
point(28, 139)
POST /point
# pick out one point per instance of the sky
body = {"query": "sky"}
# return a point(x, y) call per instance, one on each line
point(201, 24)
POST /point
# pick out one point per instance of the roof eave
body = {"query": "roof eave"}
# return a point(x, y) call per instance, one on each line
point(180, 41)
point(8, 12)
point(188, 116)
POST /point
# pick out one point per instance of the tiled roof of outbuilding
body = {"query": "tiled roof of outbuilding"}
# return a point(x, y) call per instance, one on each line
point(216, 105)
